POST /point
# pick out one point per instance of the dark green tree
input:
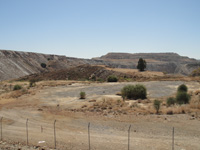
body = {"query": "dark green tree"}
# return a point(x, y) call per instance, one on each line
point(43, 65)
point(141, 64)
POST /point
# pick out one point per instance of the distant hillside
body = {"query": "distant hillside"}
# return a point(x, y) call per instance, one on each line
point(164, 62)
point(14, 64)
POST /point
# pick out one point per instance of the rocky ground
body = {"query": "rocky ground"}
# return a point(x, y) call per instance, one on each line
point(50, 101)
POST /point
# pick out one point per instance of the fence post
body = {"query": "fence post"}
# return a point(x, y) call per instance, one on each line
point(89, 135)
point(129, 137)
point(173, 138)
point(1, 129)
point(55, 134)
point(27, 132)
point(41, 129)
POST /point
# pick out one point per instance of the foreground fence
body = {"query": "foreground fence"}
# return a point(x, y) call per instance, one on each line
point(54, 134)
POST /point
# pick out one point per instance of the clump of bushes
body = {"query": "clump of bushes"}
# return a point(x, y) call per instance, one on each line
point(43, 65)
point(17, 87)
point(182, 97)
point(171, 101)
point(156, 105)
point(137, 91)
point(82, 95)
point(112, 79)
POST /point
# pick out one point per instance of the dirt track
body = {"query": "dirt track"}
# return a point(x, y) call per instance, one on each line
point(107, 132)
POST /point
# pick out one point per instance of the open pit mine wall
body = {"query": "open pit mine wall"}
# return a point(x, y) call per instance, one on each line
point(15, 64)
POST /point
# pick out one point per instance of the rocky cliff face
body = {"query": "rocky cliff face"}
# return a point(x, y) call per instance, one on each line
point(14, 64)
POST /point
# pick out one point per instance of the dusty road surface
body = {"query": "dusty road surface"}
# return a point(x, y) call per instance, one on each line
point(148, 132)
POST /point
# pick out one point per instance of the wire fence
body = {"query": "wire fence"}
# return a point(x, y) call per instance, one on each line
point(33, 131)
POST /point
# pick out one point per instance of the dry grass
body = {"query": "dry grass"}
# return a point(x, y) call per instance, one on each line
point(143, 107)
point(192, 107)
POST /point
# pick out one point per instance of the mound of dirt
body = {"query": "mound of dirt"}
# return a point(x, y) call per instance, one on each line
point(101, 73)
point(82, 72)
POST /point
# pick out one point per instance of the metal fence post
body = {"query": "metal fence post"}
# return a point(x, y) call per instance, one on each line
point(129, 137)
point(27, 132)
point(1, 128)
point(173, 138)
point(55, 134)
point(89, 135)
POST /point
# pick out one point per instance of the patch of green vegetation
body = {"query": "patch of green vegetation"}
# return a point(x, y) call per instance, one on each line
point(82, 95)
point(17, 87)
point(137, 91)
point(156, 105)
point(171, 101)
point(112, 79)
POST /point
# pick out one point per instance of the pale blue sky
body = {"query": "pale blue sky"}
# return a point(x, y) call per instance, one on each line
point(91, 28)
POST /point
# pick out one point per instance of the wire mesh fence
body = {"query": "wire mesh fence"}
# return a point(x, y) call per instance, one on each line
point(54, 135)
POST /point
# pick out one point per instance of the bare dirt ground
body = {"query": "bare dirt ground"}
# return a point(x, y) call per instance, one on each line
point(58, 101)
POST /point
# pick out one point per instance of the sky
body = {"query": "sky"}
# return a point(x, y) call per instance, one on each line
point(91, 28)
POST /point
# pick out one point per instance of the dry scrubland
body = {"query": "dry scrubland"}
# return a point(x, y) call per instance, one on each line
point(104, 108)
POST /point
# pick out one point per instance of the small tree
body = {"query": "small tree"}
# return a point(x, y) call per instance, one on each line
point(141, 64)
point(82, 95)
point(182, 88)
point(156, 105)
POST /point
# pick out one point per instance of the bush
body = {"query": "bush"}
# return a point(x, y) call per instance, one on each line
point(17, 87)
point(171, 101)
point(182, 88)
point(112, 79)
point(43, 65)
point(156, 105)
point(32, 82)
point(182, 97)
point(134, 92)
point(82, 95)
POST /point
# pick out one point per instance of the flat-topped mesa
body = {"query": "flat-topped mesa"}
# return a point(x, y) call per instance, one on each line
point(170, 57)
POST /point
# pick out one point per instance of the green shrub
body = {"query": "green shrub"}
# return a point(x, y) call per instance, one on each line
point(134, 92)
point(182, 88)
point(182, 97)
point(100, 80)
point(82, 95)
point(156, 105)
point(112, 79)
point(17, 87)
point(171, 101)
point(43, 65)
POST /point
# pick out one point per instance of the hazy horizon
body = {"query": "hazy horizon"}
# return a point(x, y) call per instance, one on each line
point(99, 56)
